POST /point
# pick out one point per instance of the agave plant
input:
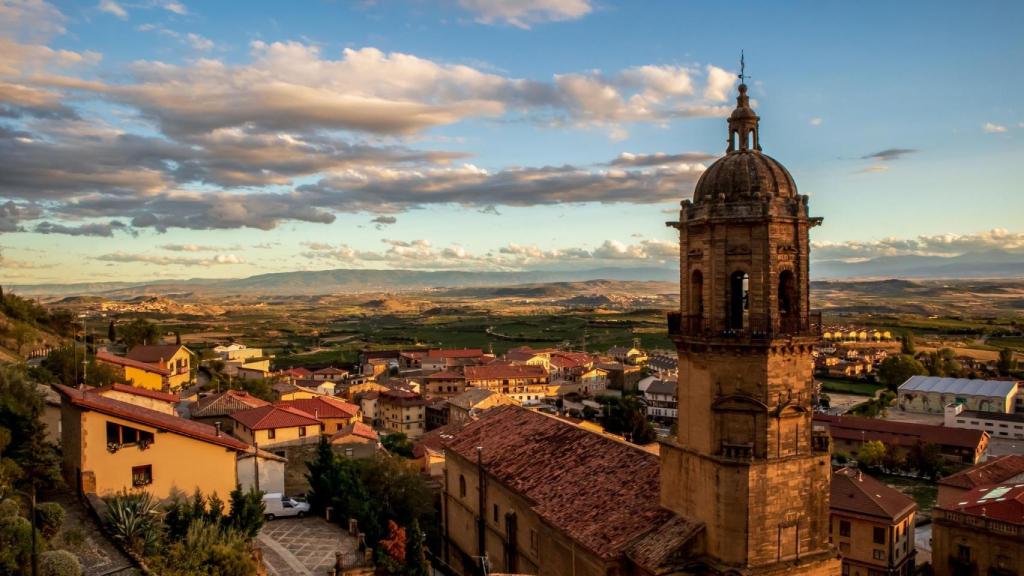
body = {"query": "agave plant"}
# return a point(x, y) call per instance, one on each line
point(134, 520)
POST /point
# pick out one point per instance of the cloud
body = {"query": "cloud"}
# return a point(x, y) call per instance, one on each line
point(199, 42)
point(422, 254)
point(874, 169)
point(524, 13)
point(382, 221)
point(190, 248)
point(30, 20)
point(993, 128)
point(105, 229)
point(112, 7)
point(628, 159)
point(924, 245)
point(816, 121)
point(889, 154)
point(13, 214)
point(719, 84)
point(159, 260)
point(175, 7)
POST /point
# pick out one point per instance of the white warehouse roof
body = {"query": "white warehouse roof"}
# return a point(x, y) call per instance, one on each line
point(963, 386)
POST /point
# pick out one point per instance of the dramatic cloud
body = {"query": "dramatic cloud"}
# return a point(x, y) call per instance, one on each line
point(993, 128)
point(889, 154)
point(106, 229)
point(936, 245)
point(422, 254)
point(523, 13)
point(12, 215)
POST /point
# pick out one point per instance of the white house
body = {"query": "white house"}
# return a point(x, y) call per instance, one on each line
point(662, 402)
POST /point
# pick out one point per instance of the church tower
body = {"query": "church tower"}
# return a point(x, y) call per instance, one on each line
point(746, 461)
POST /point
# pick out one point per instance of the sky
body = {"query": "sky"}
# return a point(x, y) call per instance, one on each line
point(149, 139)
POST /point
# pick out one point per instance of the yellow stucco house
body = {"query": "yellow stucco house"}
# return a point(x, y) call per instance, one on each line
point(111, 445)
point(134, 372)
point(174, 358)
point(269, 426)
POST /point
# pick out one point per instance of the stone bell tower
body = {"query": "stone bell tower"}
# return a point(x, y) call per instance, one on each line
point(746, 461)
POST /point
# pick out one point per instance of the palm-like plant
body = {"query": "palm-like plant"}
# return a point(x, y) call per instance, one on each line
point(134, 520)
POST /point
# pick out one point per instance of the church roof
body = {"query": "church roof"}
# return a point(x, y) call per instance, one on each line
point(612, 486)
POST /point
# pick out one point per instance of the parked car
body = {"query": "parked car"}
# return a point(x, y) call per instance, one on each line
point(277, 505)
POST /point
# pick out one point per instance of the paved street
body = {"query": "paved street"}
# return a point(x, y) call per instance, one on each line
point(82, 536)
point(304, 546)
point(923, 543)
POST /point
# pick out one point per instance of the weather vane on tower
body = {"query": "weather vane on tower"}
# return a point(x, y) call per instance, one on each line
point(743, 70)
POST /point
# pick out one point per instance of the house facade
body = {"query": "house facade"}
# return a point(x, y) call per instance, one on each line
point(872, 525)
point(272, 426)
point(981, 534)
point(402, 411)
point(174, 358)
point(527, 384)
point(136, 373)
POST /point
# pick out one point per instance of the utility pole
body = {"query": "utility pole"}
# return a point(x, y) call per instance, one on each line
point(256, 462)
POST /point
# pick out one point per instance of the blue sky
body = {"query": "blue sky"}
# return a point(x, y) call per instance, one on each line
point(156, 138)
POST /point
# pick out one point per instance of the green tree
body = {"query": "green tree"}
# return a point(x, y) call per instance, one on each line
point(49, 518)
point(63, 365)
point(871, 455)
point(415, 554)
point(112, 332)
point(247, 512)
point(59, 563)
point(927, 460)
point(1006, 363)
point(944, 363)
point(626, 416)
point(140, 331)
point(895, 370)
point(907, 344)
point(35, 463)
point(397, 443)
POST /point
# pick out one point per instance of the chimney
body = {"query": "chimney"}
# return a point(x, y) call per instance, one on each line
point(217, 425)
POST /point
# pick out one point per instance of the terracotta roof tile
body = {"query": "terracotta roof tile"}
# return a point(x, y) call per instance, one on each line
point(656, 550)
point(355, 429)
point(899, 433)
point(993, 471)
point(402, 397)
point(153, 394)
point(90, 400)
point(104, 356)
point(600, 492)
point(856, 492)
point(224, 403)
point(1004, 502)
point(445, 375)
point(267, 417)
point(504, 372)
point(323, 407)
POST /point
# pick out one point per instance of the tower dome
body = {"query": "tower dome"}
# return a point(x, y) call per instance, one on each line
point(745, 173)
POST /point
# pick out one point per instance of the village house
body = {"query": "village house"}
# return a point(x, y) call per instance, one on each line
point(333, 413)
point(872, 525)
point(502, 500)
point(367, 402)
point(174, 358)
point(330, 373)
point(443, 384)
point(152, 399)
point(982, 533)
point(1006, 469)
point(292, 390)
point(467, 406)
point(402, 411)
point(626, 355)
point(527, 384)
point(434, 360)
point(664, 365)
point(931, 394)
point(623, 377)
point(526, 356)
point(428, 451)
point(110, 445)
point(357, 440)
point(269, 468)
point(134, 372)
point(219, 406)
point(237, 352)
point(661, 400)
point(272, 426)
point(956, 445)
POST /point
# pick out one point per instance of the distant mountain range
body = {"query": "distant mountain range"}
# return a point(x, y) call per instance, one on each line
point(341, 281)
point(985, 264)
point(988, 264)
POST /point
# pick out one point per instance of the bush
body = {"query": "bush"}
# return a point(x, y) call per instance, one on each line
point(59, 563)
point(49, 518)
point(15, 544)
point(133, 521)
point(9, 508)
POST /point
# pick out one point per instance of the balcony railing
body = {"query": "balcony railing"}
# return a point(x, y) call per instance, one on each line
point(754, 326)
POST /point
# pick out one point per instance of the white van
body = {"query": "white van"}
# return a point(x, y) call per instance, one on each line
point(277, 505)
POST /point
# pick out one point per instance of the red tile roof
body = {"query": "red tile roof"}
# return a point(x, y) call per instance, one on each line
point(156, 353)
point(1003, 502)
point(600, 492)
point(297, 372)
point(104, 356)
point(224, 403)
point(993, 471)
point(355, 429)
point(899, 433)
point(267, 417)
point(459, 353)
point(322, 407)
point(402, 398)
point(504, 372)
point(856, 492)
point(445, 375)
point(153, 394)
point(90, 400)
point(434, 440)
point(330, 370)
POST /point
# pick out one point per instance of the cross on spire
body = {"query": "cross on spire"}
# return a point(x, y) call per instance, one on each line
point(743, 69)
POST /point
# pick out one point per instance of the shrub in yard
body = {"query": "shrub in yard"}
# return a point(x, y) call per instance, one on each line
point(133, 519)
point(9, 508)
point(59, 563)
point(15, 544)
point(49, 518)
